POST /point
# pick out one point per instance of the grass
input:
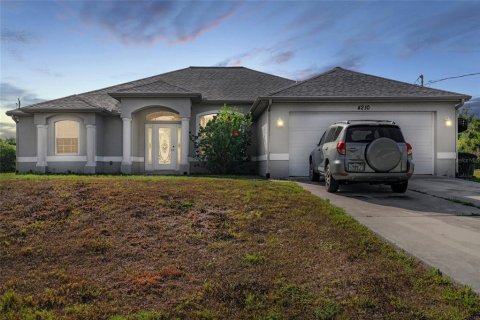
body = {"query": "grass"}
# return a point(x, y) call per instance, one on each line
point(137, 247)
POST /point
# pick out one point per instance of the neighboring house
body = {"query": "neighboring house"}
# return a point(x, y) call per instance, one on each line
point(143, 126)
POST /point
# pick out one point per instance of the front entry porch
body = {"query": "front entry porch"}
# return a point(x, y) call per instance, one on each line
point(155, 136)
point(163, 147)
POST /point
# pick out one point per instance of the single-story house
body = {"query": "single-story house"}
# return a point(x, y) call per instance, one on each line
point(144, 126)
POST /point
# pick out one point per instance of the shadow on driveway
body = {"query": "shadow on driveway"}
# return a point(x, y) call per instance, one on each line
point(418, 201)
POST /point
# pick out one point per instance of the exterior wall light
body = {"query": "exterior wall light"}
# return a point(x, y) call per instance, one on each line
point(448, 122)
point(280, 123)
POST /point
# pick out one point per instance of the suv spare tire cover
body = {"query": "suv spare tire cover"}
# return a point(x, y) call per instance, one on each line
point(383, 154)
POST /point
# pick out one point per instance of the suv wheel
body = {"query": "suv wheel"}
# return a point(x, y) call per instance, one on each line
point(400, 187)
point(330, 183)
point(312, 174)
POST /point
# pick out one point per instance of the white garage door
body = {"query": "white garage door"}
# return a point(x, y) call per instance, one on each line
point(306, 129)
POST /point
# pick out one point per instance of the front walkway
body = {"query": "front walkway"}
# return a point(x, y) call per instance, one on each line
point(442, 233)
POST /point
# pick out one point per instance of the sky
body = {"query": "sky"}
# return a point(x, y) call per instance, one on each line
point(51, 49)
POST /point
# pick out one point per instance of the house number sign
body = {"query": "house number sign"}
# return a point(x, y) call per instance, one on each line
point(363, 107)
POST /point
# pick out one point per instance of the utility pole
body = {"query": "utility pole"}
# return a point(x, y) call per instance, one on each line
point(421, 79)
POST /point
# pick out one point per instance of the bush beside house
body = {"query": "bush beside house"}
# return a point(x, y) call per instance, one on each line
point(223, 142)
point(7, 155)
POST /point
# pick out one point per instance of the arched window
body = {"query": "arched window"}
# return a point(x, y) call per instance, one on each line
point(163, 116)
point(203, 120)
point(67, 133)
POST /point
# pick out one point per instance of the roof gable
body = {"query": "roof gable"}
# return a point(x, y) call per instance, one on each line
point(340, 82)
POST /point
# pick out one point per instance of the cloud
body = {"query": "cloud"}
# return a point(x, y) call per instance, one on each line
point(16, 36)
point(10, 93)
point(46, 71)
point(240, 59)
point(269, 56)
point(346, 61)
point(305, 73)
point(452, 30)
point(351, 62)
point(282, 57)
point(143, 22)
point(7, 129)
point(13, 41)
point(8, 98)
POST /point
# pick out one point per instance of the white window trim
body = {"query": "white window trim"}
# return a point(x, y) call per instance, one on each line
point(163, 121)
point(201, 114)
point(55, 139)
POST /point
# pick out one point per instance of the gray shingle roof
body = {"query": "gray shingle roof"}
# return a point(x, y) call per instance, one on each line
point(213, 83)
point(158, 86)
point(243, 84)
point(340, 82)
point(74, 102)
point(226, 83)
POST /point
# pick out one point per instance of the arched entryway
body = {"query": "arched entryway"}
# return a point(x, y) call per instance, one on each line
point(163, 141)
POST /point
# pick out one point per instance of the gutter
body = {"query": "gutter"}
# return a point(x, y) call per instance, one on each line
point(118, 95)
point(29, 112)
point(366, 98)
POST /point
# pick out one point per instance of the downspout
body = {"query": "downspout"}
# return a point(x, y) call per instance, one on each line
point(267, 175)
point(457, 106)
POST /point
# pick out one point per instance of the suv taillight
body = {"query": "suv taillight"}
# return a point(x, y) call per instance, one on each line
point(409, 149)
point(342, 147)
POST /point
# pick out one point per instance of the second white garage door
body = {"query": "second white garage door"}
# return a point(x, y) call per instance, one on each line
point(306, 128)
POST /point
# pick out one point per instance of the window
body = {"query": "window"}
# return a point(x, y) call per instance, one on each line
point(369, 133)
point(163, 116)
point(203, 120)
point(330, 135)
point(337, 133)
point(67, 134)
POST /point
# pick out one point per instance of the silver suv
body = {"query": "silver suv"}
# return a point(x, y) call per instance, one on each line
point(354, 151)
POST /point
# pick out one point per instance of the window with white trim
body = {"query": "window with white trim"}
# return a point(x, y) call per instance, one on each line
point(203, 120)
point(163, 116)
point(67, 133)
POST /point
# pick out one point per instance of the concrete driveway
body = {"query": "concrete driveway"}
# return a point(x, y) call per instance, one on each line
point(442, 233)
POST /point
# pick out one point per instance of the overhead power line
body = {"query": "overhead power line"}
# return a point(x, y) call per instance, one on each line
point(455, 77)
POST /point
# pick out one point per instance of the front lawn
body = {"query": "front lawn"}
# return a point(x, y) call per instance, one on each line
point(77, 247)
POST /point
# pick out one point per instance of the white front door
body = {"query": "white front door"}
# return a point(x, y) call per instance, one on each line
point(161, 149)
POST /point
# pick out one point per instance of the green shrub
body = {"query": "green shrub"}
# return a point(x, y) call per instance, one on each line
point(7, 155)
point(223, 142)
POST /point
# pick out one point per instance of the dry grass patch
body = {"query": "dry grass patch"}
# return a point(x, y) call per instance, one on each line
point(76, 247)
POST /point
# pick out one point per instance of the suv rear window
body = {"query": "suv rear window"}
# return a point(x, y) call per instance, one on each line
point(370, 133)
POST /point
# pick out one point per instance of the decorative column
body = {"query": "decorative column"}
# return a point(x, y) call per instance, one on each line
point(41, 147)
point(91, 148)
point(127, 146)
point(184, 164)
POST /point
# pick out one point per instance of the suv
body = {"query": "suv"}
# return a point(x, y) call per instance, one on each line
point(354, 151)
